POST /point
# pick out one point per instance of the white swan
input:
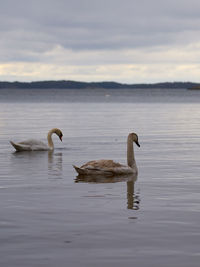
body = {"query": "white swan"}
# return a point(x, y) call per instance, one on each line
point(109, 167)
point(35, 145)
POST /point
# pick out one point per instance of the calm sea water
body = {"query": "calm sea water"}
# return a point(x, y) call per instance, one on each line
point(48, 218)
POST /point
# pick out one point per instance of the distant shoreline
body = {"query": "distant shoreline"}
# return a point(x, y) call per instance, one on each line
point(95, 85)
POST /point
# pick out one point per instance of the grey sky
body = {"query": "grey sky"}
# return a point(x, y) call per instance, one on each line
point(88, 39)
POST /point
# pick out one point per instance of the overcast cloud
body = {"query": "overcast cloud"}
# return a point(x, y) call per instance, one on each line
point(131, 41)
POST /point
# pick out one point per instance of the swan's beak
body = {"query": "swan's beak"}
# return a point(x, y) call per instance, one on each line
point(137, 143)
point(61, 137)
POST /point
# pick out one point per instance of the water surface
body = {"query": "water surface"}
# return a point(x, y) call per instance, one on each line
point(49, 218)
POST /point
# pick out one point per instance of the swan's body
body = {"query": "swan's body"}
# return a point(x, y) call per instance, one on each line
point(109, 167)
point(35, 145)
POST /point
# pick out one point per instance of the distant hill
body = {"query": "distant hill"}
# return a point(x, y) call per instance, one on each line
point(85, 85)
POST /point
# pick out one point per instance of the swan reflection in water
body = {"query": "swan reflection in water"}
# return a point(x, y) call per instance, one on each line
point(133, 200)
point(55, 164)
point(38, 163)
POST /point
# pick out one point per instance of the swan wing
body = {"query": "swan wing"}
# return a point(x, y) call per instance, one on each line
point(32, 142)
point(102, 164)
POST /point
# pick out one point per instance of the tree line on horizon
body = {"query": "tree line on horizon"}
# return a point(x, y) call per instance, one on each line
point(93, 85)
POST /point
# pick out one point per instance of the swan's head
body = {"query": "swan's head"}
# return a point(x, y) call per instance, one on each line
point(134, 138)
point(59, 133)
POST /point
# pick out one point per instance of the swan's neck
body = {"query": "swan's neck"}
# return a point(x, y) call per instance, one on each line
point(130, 154)
point(50, 141)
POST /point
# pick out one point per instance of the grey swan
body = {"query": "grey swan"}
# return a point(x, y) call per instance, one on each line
point(36, 145)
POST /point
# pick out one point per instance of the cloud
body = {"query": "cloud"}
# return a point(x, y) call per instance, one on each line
point(76, 37)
